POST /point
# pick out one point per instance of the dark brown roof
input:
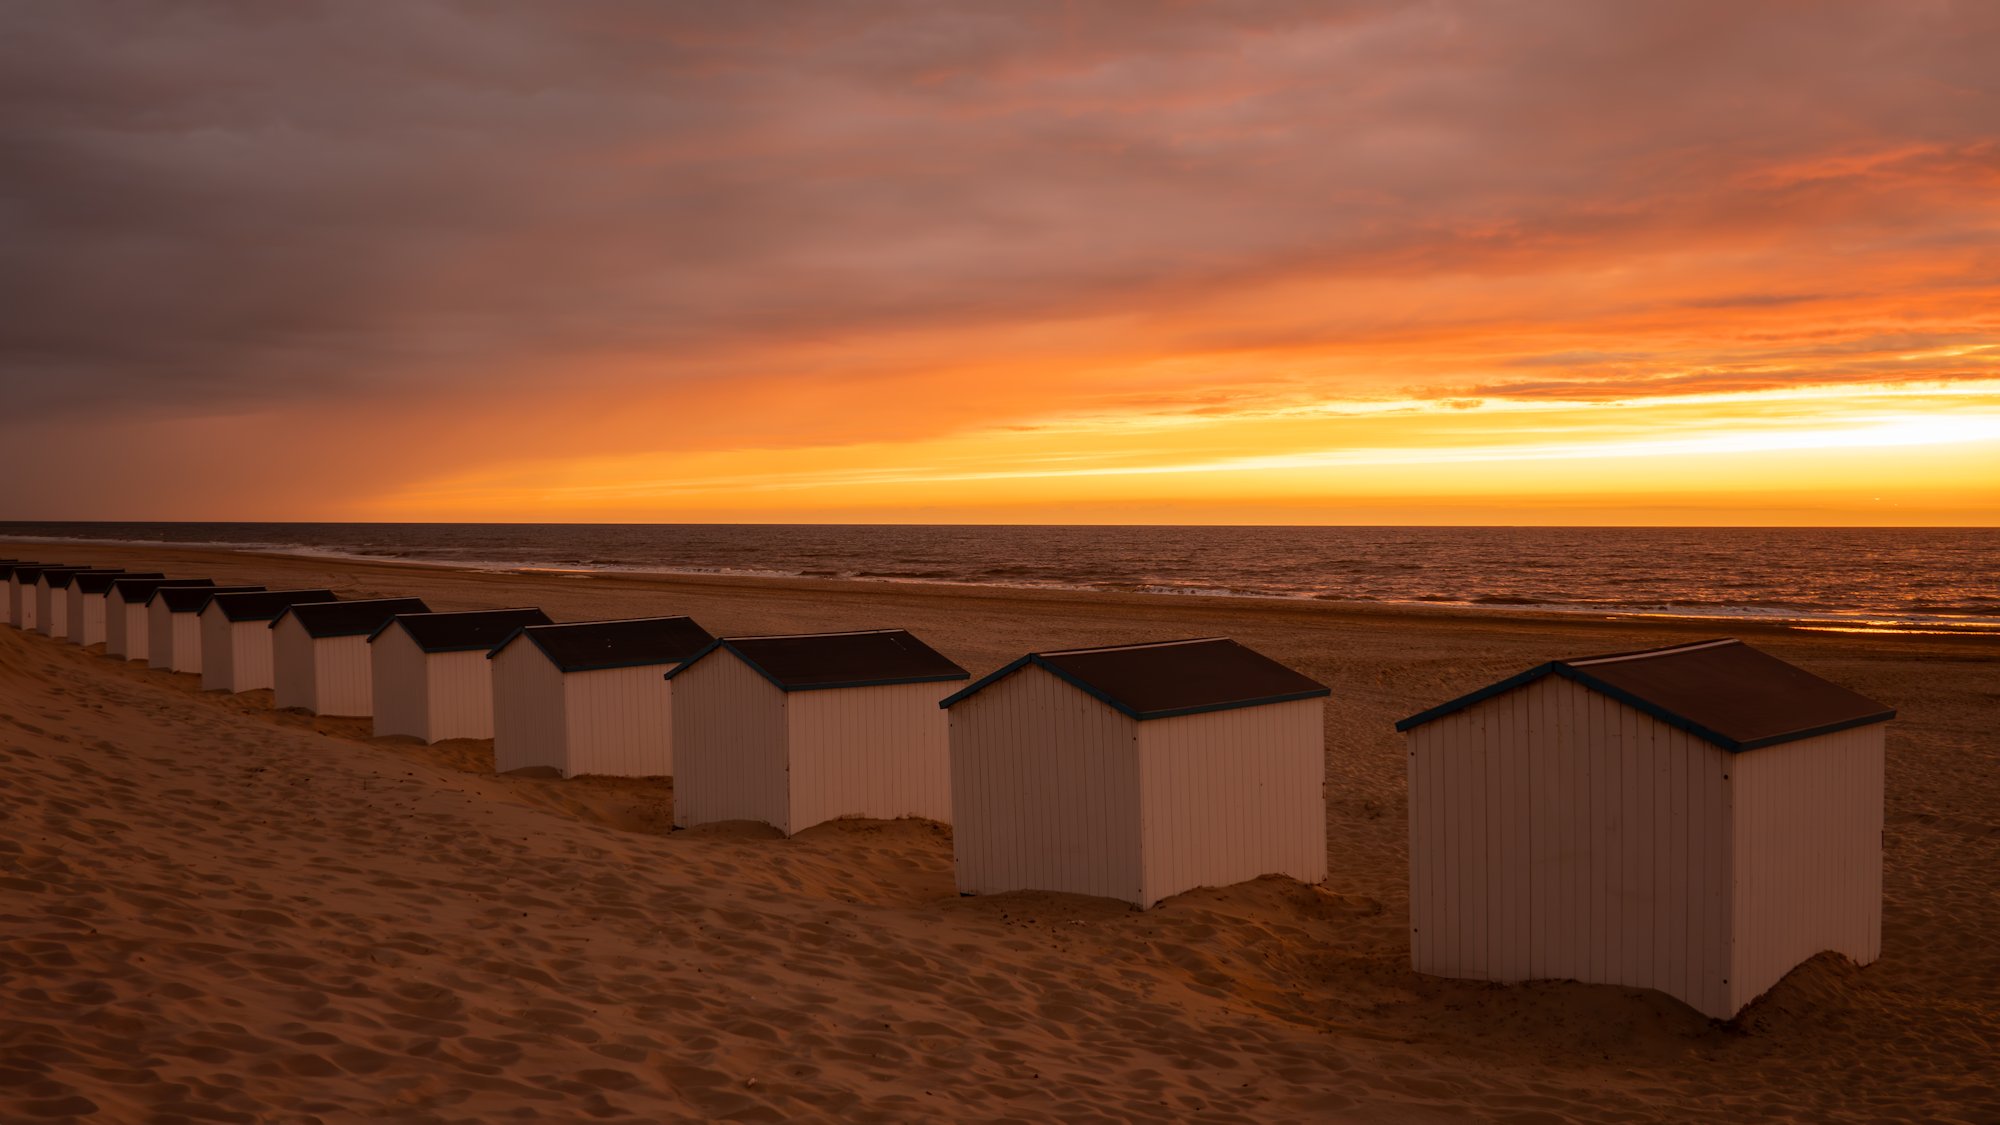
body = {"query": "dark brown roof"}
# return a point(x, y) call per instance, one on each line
point(1722, 691)
point(462, 632)
point(192, 599)
point(818, 661)
point(263, 605)
point(7, 569)
point(61, 577)
point(138, 591)
point(589, 646)
point(99, 581)
point(1168, 678)
point(29, 572)
point(349, 619)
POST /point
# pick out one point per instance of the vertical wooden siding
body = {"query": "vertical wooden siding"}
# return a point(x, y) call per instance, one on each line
point(729, 745)
point(1231, 795)
point(124, 628)
point(461, 695)
point(86, 618)
point(184, 651)
point(293, 682)
point(399, 686)
point(881, 752)
point(619, 722)
point(20, 604)
point(159, 635)
point(251, 657)
point(1558, 834)
point(343, 677)
point(1044, 791)
point(51, 610)
point(527, 710)
point(1808, 831)
point(218, 653)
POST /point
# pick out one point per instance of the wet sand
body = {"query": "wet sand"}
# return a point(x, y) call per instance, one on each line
point(212, 911)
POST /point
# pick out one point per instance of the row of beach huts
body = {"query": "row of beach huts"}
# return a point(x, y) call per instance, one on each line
point(1698, 819)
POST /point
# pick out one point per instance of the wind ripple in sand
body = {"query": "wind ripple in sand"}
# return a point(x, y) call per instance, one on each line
point(215, 913)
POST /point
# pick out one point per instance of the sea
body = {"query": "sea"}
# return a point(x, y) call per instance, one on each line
point(1928, 580)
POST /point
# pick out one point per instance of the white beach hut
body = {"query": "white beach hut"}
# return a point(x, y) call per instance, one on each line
point(125, 618)
point(6, 575)
point(590, 697)
point(1696, 819)
point(1137, 772)
point(796, 730)
point(173, 625)
point(21, 578)
point(88, 600)
point(319, 653)
point(52, 592)
point(236, 636)
point(431, 678)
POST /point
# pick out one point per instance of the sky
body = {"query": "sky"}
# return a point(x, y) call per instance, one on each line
point(1682, 262)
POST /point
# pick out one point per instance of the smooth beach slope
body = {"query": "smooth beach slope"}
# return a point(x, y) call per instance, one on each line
point(213, 911)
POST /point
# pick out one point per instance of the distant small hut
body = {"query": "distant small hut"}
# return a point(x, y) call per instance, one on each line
point(236, 636)
point(88, 601)
point(52, 592)
point(173, 625)
point(1138, 771)
point(319, 653)
point(126, 621)
point(590, 697)
point(796, 730)
point(1697, 819)
point(431, 678)
point(21, 578)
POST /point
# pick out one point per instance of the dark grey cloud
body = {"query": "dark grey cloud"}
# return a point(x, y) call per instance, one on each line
point(216, 206)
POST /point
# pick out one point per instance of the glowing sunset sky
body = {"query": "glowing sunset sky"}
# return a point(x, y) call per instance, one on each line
point(1355, 263)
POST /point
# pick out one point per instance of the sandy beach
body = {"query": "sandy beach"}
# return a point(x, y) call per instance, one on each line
point(214, 911)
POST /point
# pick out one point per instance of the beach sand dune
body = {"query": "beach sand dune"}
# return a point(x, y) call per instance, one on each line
point(211, 911)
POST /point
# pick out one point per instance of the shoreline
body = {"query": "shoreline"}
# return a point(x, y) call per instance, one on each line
point(1856, 623)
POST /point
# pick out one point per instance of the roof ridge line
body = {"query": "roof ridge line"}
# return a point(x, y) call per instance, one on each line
point(1647, 654)
point(1128, 648)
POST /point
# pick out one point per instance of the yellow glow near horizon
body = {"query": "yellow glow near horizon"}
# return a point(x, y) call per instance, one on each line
point(1887, 453)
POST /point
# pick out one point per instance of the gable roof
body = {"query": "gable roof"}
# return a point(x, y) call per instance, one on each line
point(592, 646)
point(28, 573)
point(1721, 691)
point(138, 591)
point(192, 599)
point(99, 581)
point(7, 569)
point(60, 577)
point(263, 605)
point(359, 618)
point(822, 661)
point(461, 632)
point(1165, 679)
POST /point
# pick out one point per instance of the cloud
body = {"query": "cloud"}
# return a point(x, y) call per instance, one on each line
point(634, 225)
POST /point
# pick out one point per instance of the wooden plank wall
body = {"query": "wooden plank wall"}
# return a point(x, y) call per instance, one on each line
point(528, 710)
point(461, 695)
point(619, 722)
point(1045, 791)
point(294, 672)
point(397, 683)
point(730, 733)
point(124, 628)
point(1231, 795)
point(1808, 830)
point(218, 654)
point(1557, 834)
point(880, 752)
